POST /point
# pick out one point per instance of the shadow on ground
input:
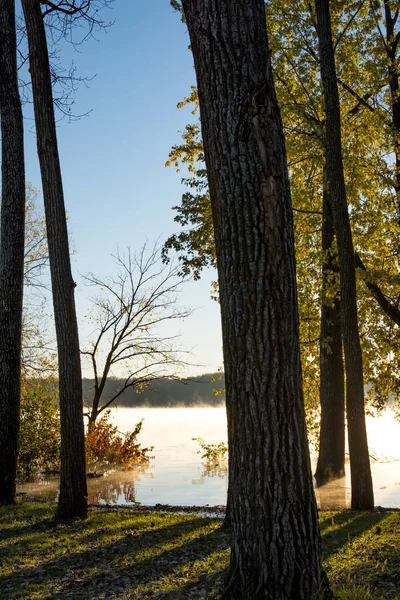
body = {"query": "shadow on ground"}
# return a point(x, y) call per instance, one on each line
point(130, 555)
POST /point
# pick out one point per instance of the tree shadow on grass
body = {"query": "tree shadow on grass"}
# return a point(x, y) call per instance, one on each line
point(181, 568)
point(347, 526)
point(20, 514)
point(336, 518)
point(209, 586)
point(113, 565)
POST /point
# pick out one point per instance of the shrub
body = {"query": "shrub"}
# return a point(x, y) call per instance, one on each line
point(212, 454)
point(214, 457)
point(39, 435)
point(106, 448)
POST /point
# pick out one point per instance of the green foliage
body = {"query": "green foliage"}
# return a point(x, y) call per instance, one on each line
point(176, 5)
point(214, 457)
point(212, 454)
point(38, 357)
point(106, 448)
point(195, 245)
point(369, 168)
point(219, 377)
point(369, 141)
point(39, 436)
point(36, 251)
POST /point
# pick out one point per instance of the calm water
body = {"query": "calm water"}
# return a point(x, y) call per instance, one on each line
point(177, 476)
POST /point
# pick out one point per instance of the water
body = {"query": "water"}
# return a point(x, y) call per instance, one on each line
point(177, 476)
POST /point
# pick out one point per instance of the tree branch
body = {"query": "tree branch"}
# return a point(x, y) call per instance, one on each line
point(389, 309)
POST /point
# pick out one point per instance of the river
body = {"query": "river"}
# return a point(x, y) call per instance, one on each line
point(177, 475)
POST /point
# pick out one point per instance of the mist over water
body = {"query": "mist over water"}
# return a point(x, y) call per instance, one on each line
point(177, 475)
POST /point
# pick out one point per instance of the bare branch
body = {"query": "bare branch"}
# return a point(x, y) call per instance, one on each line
point(131, 306)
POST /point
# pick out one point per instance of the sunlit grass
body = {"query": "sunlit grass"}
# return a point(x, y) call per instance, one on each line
point(133, 555)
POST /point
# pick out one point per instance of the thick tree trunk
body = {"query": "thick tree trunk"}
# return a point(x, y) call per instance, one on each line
point(275, 551)
point(331, 455)
point(11, 251)
point(361, 483)
point(73, 491)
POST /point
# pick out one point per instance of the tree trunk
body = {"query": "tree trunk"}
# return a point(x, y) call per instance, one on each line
point(12, 233)
point(73, 491)
point(392, 42)
point(275, 550)
point(361, 482)
point(228, 513)
point(331, 455)
point(94, 412)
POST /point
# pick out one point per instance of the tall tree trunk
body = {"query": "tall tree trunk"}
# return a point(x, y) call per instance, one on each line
point(331, 455)
point(12, 232)
point(362, 496)
point(275, 550)
point(73, 490)
point(392, 42)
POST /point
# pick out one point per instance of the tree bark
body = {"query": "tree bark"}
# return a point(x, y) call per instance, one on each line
point(73, 490)
point(275, 549)
point(361, 482)
point(331, 455)
point(392, 42)
point(94, 412)
point(12, 232)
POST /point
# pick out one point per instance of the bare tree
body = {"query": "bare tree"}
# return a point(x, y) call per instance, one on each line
point(11, 251)
point(72, 22)
point(133, 305)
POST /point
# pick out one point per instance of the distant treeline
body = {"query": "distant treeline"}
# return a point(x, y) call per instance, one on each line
point(191, 391)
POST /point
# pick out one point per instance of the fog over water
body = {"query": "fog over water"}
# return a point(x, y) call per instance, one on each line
point(177, 475)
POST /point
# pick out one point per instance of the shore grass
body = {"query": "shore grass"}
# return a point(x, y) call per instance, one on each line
point(128, 554)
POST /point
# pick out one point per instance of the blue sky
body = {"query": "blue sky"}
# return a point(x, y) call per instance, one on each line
point(117, 190)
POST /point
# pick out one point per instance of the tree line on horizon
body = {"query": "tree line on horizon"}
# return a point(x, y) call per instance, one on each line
point(333, 317)
point(206, 389)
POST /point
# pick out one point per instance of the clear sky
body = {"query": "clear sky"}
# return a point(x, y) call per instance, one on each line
point(117, 189)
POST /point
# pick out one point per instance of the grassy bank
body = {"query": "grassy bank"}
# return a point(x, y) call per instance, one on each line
point(133, 555)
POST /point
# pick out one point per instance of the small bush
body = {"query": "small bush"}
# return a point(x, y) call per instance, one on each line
point(39, 434)
point(212, 454)
point(107, 448)
point(214, 457)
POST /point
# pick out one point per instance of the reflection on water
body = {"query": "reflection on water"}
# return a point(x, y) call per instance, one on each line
point(334, 494)
point(178, 477)
point(212, 470)
point(119, 488)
